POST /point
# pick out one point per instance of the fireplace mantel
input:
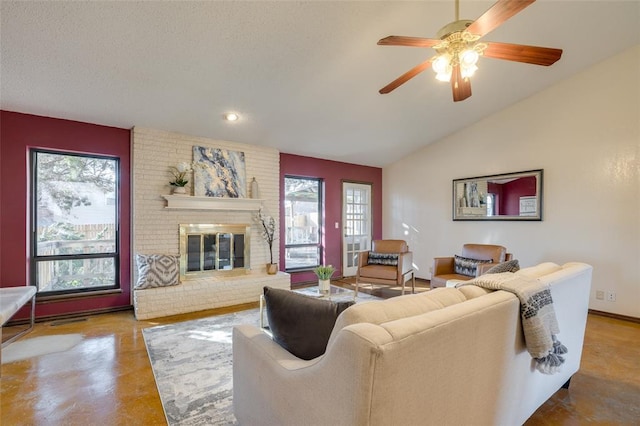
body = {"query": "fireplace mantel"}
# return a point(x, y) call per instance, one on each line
point(211, 203)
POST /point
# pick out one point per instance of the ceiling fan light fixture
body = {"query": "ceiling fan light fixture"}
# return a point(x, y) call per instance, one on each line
point(458, 48)
point(469, 58)
point(445, 76)
point(441, 65)
point(467, 71)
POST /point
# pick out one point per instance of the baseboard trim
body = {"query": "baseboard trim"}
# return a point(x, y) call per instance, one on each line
point(60, 317)
point(615, 316)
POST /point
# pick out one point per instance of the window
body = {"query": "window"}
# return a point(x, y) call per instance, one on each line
point(303, 219)
point(74, 222)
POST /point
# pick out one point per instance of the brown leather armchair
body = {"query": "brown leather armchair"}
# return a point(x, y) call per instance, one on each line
point(443, 267)
point(388, 262)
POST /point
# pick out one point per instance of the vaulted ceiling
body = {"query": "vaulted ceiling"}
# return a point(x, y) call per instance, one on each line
point(304, 76)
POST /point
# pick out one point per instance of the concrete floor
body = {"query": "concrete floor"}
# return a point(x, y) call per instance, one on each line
point(107, 378)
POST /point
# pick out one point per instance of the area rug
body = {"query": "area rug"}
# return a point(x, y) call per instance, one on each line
point(192, 365)
point(37, 346)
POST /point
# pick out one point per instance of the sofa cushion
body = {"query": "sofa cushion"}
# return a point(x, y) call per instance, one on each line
point(379, 312)
point(382, 258)
point(301, 324)
point(467, 266)
point(539, 270)
point(473, 291)
point(508, 266)
point(157, 270)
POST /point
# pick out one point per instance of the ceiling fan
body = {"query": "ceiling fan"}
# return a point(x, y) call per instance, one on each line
point(458, 48)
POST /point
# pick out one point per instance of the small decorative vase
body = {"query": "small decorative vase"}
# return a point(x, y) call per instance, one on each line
point(255, 192)
point(272, 268)
point(324, 286)
point(179, 190)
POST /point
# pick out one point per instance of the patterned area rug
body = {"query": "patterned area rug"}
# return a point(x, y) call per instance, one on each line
point(192, 364)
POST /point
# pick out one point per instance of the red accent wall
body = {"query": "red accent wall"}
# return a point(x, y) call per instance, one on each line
point(20, 132)
point(508, 194)
point(512, 191)
point(333, 173)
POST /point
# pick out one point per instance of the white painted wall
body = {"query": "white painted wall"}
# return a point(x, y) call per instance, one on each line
point(584, 133)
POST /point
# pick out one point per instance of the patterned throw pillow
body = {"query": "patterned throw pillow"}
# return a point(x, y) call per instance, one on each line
point(467, 266)
point(382, 259)
point(157, 270)
point(508, 266)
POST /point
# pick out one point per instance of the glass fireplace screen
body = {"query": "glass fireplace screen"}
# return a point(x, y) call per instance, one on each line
point(213, 248)
point(206, 252)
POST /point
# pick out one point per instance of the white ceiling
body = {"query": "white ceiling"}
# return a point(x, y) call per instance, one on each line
point(304, 76)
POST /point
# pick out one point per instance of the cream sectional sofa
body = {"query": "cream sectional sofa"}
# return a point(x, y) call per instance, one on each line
point(448, 356)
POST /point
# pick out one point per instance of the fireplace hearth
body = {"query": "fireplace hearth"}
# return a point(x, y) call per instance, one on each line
point(214, 249)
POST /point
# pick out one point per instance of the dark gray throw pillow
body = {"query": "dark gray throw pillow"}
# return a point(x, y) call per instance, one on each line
point(382, 258)
point(301, 324)
point(508, 266)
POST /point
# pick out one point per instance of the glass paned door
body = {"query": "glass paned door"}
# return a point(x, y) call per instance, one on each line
point(356, 223)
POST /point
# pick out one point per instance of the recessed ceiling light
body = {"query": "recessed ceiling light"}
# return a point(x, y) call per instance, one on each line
point(231, 116)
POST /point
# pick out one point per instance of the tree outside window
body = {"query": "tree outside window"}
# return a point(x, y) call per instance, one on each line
point(74, 222)
point(303, 222)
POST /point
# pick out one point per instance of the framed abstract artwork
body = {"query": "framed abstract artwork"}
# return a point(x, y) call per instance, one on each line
point(219, 173)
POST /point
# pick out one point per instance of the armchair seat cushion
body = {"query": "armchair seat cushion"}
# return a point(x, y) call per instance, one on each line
point(384, 272)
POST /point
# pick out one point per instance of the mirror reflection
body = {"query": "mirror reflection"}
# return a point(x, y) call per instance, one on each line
point(508, 196)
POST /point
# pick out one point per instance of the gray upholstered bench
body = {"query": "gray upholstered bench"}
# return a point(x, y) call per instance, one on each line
point(11, 300)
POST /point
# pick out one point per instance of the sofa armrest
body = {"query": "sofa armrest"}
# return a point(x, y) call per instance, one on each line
point(363, 258)
point(443, 265)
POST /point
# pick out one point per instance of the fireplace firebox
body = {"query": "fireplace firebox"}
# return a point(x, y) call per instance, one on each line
point(211, 249)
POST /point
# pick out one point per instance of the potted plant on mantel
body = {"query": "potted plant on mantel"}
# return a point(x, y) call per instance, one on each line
point(324, 273)
point(268, 228)
point(180, 181)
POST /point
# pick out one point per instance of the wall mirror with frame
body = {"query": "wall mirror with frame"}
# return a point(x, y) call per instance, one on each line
point(507, 196)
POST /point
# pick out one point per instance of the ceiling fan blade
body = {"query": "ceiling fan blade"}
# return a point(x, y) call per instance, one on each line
point(408, 41)
point(520, 53)
point(405, 77)
point(461, 87)
point(496, 16)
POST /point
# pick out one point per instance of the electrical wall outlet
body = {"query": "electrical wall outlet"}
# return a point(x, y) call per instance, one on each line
point(431, 269)
point(600, 294)
point(611, 296)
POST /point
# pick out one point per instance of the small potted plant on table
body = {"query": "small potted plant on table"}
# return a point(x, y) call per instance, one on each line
point(324, 273)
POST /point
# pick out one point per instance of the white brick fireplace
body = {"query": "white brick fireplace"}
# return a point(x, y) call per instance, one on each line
point(156, 227)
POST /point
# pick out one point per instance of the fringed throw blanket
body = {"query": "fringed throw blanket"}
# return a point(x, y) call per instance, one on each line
point(539, 322)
